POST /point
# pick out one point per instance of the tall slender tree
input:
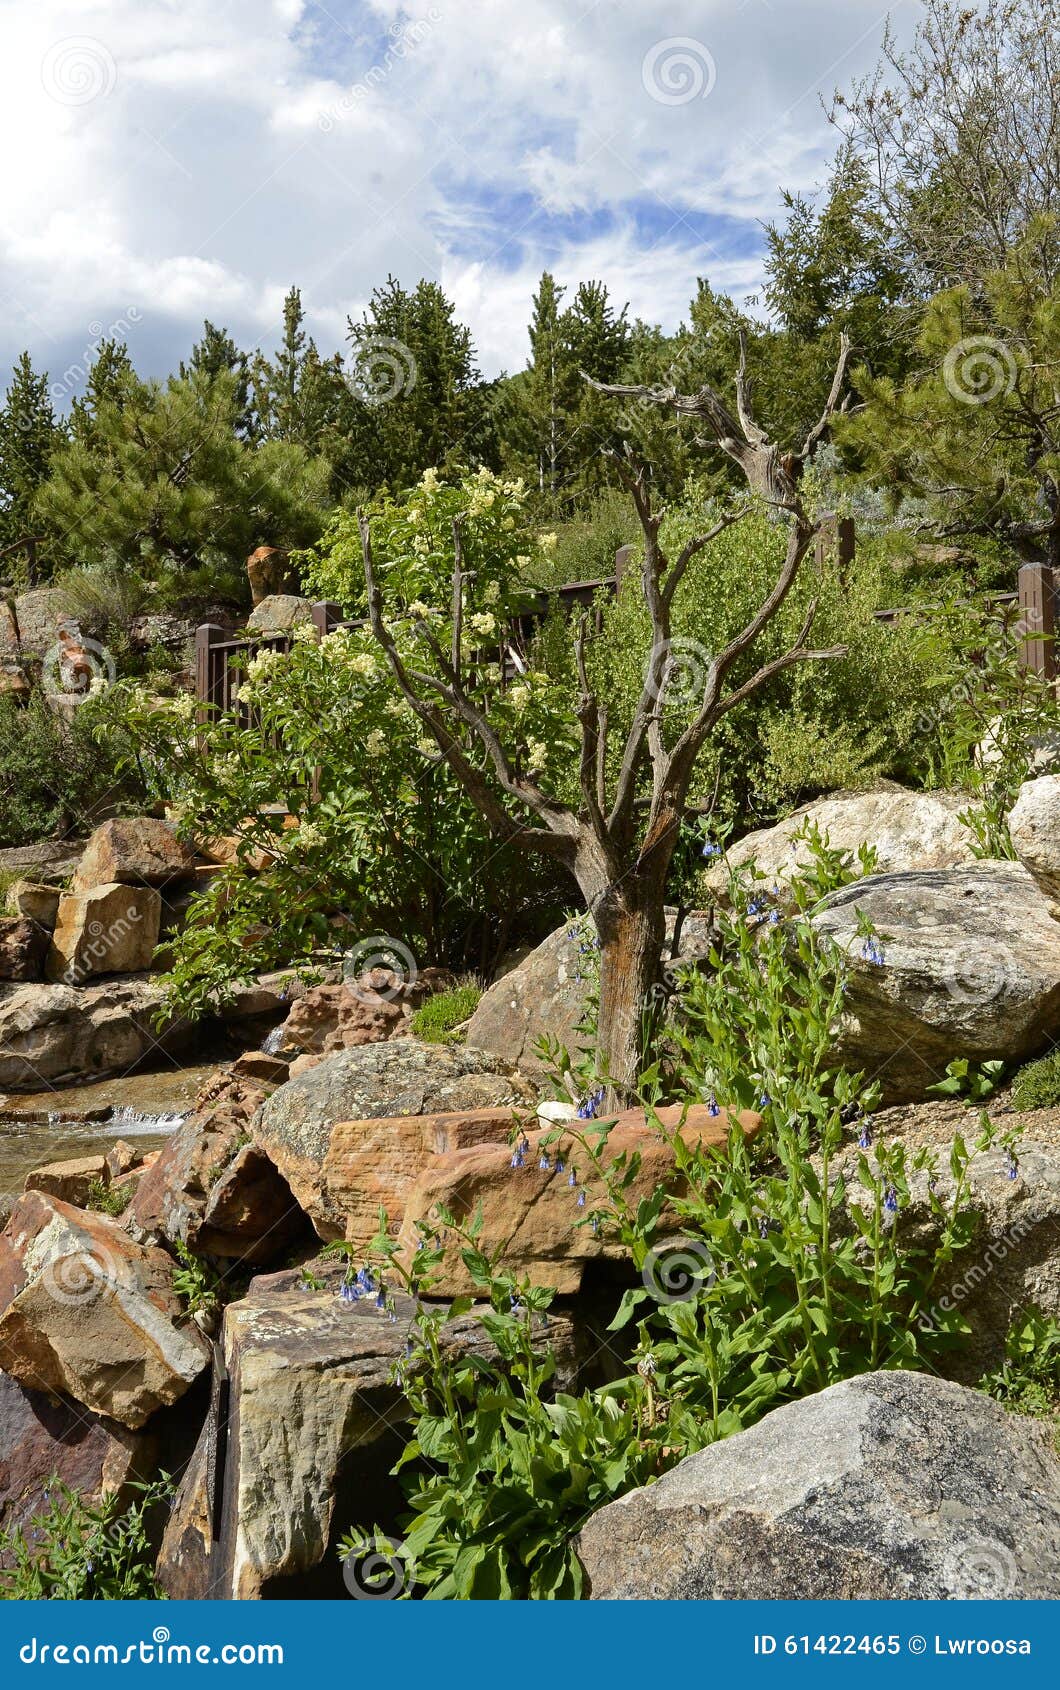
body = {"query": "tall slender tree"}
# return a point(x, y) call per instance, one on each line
point(29, 435)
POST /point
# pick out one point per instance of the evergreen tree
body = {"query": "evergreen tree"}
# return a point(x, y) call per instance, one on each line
point(217, 354)
point(419, 401)
point(29, 435)
point(111, 381)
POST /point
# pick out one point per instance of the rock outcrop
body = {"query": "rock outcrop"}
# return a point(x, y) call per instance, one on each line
point(278, 612)
point(314, 1428)
point(909, 830)
point(87, 1313)
point(889, 1486)
point(344, 1014)
point(212, 1189)
point(23, 948)
point(1034, 825)
point(34, 902)
point(43, 1438)
point(970, 968)
point(54, 1033)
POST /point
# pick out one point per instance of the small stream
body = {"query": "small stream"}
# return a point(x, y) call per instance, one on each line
point(76, 1121)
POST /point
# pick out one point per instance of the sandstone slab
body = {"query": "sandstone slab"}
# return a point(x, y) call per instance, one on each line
point(891, 1486)
point(55, 1033)
point(540, 1209)
point(34, 902)
point(23, 948)
point(86, 1312)
point(108, 930)
point(71, 1181)
point(278, 612)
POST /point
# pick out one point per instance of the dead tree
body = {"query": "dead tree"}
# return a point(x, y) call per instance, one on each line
point(618, 850)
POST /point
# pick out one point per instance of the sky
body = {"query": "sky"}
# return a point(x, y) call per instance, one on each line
point(171, 160)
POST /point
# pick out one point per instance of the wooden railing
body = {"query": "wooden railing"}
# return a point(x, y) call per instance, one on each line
point(217, 654)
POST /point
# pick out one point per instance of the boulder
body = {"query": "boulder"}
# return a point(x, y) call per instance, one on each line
point(72, 1181)
point(910, 831)
point(891, 1486)
point(51, 860)
point(1034, 824)
point(43, 1438)
point(50, 1034)
point(278, 612)
point(40, 614)
point(86, 1312)
point(377, 1005)
point(14, 682)
point(33, 902)
point(546, 994)
point(314, 1423)
point(135, 851)
point(534, 1209)
point(108, 930)
point(269, 572)
point(314, 1128)
point(211, 1189)
point(23, 948)
point(8, 632)
point(970, 968)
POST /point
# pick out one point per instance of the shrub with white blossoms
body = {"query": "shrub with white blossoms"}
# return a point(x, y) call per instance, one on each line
point(387, 840)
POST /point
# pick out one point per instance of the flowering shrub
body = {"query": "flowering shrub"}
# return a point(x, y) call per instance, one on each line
point(78, 1551)
point(386, 840)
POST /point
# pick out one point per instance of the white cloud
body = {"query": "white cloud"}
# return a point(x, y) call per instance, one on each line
point(195, 159)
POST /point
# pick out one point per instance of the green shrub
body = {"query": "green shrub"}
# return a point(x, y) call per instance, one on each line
point(1037, 1085)
point(58, 775)
point(1028, 1382)
point(434, 1020)
point(109, 1199)
point(78, 1551)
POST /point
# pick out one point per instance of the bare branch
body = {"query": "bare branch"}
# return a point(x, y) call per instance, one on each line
point(835, 394)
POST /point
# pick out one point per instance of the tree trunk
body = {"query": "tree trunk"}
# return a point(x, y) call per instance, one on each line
point(631, 926)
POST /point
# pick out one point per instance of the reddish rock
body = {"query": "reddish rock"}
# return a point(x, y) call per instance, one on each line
point(88, 1313)
point(259, 1065)
point(533, 1211)
point(43, 1438)
point(375, 1007)
point(204, 1191)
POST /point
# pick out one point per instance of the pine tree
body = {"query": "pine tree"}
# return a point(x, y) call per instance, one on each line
point(217, 354)
point(28, 437)
point(111, 381)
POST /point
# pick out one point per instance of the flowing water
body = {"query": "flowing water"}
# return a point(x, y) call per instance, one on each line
point(75, 1121)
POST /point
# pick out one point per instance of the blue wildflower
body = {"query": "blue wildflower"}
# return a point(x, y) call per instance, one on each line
point(872, 952)
point(572, 1180)
point(581, 1200)
point(543, 1162)
point(890, 1200)
point(559, 1164)
point(380, 1298)
point(712, 1106)
point(349, 1291)
point(711, 850)
point(763, 1227)
point(865, 1140)
point(1013, 1165)
point(764, 1101)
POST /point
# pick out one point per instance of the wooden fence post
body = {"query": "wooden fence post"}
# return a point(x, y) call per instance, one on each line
point(325, 614)
point(1037, 619)
point(623, 558)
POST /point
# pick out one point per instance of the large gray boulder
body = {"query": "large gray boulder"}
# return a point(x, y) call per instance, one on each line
point(970, 968)
point(310, 1127)
point(50, 1034)
point(909, 830)
point(546, 993)
point(279, 612)
point(888, 1486)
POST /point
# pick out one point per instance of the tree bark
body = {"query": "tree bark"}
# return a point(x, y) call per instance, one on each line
point(631, 928)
